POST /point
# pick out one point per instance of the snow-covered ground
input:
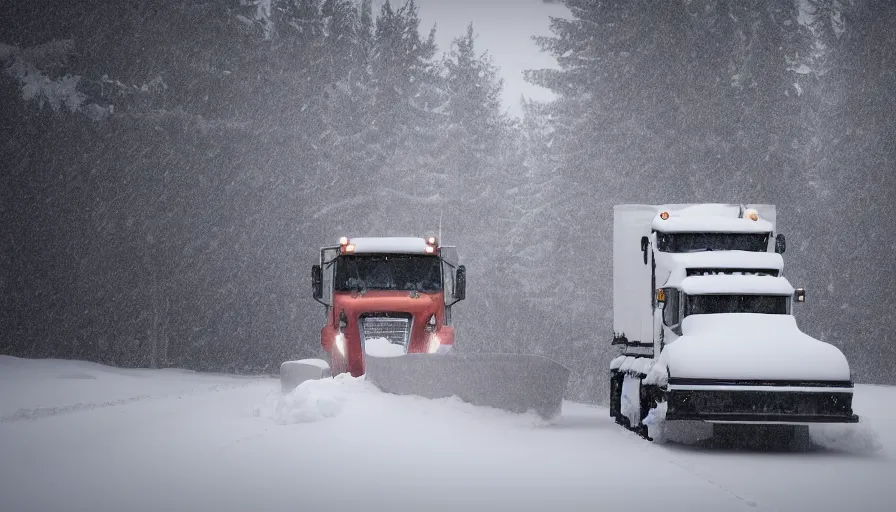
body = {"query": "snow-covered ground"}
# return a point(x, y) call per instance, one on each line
point(79, 436)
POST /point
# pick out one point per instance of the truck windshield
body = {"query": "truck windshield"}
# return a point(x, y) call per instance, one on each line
point(388, 272)
point(710, 304)
point(691, 242)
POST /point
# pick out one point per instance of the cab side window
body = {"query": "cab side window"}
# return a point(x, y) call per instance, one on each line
point(664, 242)
point(670, 310)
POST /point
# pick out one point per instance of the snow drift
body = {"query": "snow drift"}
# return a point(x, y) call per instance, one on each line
point(314, 400)
point(180, 441)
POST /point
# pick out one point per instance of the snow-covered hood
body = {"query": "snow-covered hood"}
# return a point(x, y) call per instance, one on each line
point(750, 346)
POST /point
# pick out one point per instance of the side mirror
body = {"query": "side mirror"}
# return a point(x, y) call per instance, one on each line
point(780, 244)
point(460, 283)
point(644, 244)
point(317, 282)
point(799, 295)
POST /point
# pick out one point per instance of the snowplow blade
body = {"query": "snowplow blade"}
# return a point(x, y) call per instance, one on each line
point(293, 373)
point(512, 382)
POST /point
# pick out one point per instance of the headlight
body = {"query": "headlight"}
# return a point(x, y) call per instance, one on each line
point(340, 343)
point(430, 324)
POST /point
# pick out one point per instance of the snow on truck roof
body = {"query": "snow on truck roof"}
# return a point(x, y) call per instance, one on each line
point(392, 245)
point(710, 224)
point(706, 217)
point(735, 284)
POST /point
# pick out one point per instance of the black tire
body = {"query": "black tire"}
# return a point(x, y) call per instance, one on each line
point(645, 401)
point(616, 398)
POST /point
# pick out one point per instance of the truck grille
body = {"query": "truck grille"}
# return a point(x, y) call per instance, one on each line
point(395, 327)
point(745, 271)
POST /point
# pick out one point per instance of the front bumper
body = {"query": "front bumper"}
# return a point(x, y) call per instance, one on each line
point(760, 402)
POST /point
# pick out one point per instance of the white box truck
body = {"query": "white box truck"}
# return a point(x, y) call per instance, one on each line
point(703, 314)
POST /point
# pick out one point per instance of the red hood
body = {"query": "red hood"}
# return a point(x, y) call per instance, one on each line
point(354, 303)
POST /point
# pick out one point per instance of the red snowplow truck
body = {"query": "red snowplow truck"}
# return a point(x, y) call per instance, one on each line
point(390, 291)
point(389, 304)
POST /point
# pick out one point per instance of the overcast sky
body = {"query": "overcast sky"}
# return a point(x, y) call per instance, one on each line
point(505, 29)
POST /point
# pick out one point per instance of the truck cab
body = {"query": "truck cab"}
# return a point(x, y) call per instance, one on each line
point(715, 340)
point(397, 291)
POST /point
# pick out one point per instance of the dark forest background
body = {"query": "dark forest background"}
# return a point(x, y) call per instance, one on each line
point(168, 170)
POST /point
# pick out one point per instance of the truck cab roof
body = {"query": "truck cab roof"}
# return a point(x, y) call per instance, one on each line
point(389, 245)
point(715, 224)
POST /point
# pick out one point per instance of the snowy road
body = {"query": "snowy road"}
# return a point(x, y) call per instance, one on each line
point(79, 436)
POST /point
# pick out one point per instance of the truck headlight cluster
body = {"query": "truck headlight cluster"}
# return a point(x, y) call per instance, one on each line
point(430, 324)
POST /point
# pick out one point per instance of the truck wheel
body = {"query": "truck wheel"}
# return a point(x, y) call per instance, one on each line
point(655, 432)
point(623, 418)
point(645, 400)
point(616, 398)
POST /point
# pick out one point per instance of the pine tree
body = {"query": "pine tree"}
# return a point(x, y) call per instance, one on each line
point(477, 132)
point(405, 125)
point(480, 161)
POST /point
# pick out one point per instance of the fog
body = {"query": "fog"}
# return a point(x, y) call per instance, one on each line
point(170, 169)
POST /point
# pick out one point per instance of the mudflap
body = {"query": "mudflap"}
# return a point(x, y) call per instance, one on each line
point(293, 373)
point(513, 382)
